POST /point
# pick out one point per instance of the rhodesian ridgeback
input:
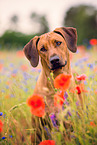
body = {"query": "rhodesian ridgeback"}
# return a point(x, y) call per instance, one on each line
point(53, 49)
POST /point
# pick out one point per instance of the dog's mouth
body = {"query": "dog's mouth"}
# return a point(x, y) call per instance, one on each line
point(58, 66)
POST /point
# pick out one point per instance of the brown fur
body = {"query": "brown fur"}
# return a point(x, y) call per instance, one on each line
point(46, 47)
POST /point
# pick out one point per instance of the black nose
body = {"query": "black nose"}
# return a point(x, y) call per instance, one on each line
point(54, 59)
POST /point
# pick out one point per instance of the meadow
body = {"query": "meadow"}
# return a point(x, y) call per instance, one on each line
point(17, 82)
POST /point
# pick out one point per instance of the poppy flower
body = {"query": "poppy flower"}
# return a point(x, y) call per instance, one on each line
point(1, 125)
point(78, 88)
point(36, 102)
point(20, 53)
point(47, 142)
point(62, 81)
point(95, 69)
point(93, 41)
point(24, 68)
point(95, 91)
point(92, 123)
point(81, 77)
point(59, 99)
point(13, 75)
point(1, 66)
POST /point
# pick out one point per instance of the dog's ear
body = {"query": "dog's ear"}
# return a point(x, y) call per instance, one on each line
point(70, 35)
point(31, 52)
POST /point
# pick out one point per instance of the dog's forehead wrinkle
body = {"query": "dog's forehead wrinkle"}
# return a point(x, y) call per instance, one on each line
point(50, 36)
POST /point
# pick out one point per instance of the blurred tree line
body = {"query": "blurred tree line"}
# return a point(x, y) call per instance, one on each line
point(82, 17)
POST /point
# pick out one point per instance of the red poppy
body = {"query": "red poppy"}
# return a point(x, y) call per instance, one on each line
point(1, 66)
point(95, 92)
point(1, 125)
point(59, 99)
point(95, 69)
point(36, 102)
point(92, 123)
point(81, 77)
point(20, 53)
point(13, 75)
point(78, 88)
point(47, 142)
point(62, 81)
point(93, 41)
point(24, 67)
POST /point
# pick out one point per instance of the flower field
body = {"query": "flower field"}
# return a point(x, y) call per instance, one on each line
point(17, 82)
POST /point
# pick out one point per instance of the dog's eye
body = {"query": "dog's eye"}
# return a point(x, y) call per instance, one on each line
point(58, 43)
point(43, 49)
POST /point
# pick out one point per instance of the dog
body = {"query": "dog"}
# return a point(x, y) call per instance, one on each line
point(53, 49)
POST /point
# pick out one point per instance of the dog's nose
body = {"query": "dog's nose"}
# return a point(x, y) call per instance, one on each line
point(54, 59)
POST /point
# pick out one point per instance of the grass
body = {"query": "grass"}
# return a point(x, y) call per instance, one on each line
point(17, 81)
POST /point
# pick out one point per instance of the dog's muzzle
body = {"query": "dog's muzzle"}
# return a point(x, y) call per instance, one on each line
point(56, 63)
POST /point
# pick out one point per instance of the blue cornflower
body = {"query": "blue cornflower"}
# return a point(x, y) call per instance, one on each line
point(4, 115)
point(69, 113)
point(77, 103)
point(3, 137)
point(90, 65)
point(10, 136)
point(53, 119)
point(14, 71)
point(47, 132)
point(1, 113)
point(26, 89)
point(65, 95)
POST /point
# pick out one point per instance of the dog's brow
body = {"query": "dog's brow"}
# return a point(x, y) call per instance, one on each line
point(37, 41)
point(59, 33)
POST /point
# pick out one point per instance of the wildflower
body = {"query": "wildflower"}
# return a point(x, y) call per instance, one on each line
point(62, 81)
point(13, 75)
point(36, 102)
point(95, 69)
point(65, 95)
point(1, 125)
point(59, 99)
point(81, 77)
point(3, 137)
point(1, 66)
point(92, 123)
point(77, 103)
point(69, 113)
point(90, 65)
point(78, 89)
point(20, 53)
point(24, 68)
point(47, 131)
point(53, 119)
point(47, 142)
point(93, 41)
point(1, 113)
point(10, 136)
point(95, 92)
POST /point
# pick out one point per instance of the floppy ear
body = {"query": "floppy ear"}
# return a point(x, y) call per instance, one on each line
point(31, 52)
point(70, 35)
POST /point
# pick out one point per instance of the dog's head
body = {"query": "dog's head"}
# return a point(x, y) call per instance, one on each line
point(52, 47)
